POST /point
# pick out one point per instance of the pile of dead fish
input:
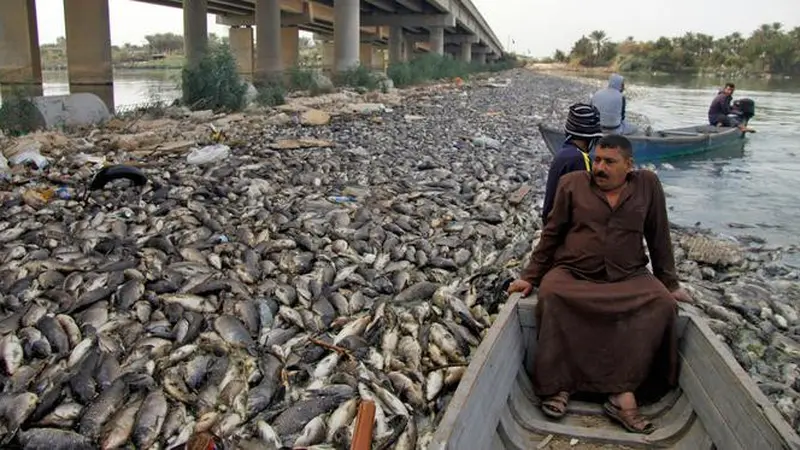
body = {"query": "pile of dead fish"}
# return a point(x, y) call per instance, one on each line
point(262, 295)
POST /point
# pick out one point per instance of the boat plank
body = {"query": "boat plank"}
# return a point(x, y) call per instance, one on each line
point(718, 429)
point(696, 438)
point(474, 411)
point(739, 401)
point(527, 311)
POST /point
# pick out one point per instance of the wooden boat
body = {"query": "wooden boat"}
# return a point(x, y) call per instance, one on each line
point(667, 144)
point(716, 406)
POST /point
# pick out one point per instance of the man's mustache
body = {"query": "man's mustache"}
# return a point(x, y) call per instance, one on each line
point(600, 174)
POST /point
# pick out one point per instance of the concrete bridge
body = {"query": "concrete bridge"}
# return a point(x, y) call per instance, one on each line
point(354, 32)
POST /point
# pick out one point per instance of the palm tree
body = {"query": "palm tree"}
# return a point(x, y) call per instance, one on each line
point(599, 38)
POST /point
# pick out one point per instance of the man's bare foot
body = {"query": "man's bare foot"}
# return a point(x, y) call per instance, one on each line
point(623, 409)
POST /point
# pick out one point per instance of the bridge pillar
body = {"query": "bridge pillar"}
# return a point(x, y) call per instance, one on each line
point(480, 57)
point(290, 41)
point(327, 55)
point(369, 57)
point(466, 52)
point(195, 30)
point(88, 36)
point(20, 63)
point(396, 45)
point(269, 58)
point(346, 33)
point(437, 40)
point(241, 42)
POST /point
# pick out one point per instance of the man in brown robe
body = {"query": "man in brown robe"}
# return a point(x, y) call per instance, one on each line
point(606, 324)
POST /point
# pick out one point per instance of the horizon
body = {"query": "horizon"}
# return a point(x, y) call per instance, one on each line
point(515, 17)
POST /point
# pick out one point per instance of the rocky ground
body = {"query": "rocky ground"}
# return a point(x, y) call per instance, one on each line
point(281, 264)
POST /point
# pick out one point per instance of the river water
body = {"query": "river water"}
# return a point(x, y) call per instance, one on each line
point(752, 194)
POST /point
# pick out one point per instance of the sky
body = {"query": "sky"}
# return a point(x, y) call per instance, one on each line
point(532, 27)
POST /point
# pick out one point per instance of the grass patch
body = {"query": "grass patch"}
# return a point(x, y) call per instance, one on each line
point(213, 82)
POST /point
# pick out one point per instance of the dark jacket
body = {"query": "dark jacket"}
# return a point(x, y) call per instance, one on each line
point(569, 159)
point(720, 106)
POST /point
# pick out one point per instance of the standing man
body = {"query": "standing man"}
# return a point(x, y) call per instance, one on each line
point(582, 130)
point(611, 103)
point(606, 324)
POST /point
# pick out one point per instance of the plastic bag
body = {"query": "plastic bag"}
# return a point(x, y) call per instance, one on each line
point(208, 154)
point(29, 153)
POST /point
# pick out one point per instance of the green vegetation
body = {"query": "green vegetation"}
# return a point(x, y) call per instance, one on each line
point(271, 92)
point(18, 114)
point(213, 83)
point(357, 77)
point(435, 67)
point(768, 50)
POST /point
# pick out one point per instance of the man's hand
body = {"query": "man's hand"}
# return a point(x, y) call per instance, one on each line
point(680, 295)
point(521, 286)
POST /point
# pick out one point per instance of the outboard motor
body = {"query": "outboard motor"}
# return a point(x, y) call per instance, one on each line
point(744, 109)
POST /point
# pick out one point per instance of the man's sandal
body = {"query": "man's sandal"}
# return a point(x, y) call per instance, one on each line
point(555, 406)
point(629, 418)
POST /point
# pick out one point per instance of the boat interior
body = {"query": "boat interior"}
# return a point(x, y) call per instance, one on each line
point(716, 406)
point(696, 130)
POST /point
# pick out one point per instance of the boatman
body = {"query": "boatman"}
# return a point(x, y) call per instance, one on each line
point(720, 108)
point(582, 130)
point(611, 103)
point(606, 324)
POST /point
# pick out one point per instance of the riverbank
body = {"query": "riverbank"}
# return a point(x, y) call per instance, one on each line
point(363, 223)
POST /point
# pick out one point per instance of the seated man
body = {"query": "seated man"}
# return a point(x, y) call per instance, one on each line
point(611, 103)
point(605, 323)
point(718, 112)
point(581, 130)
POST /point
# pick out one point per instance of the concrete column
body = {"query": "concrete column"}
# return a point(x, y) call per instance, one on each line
point(346, 33)
point(268, 39)
point(396, 45)
point(437, 40)
point(195, 30)
point(88, 38)
point(290, 41)
point(481, 58)
point(466, 52)
point(20, 62)
point(241, 42)
point(327, 55)
point(369, 57)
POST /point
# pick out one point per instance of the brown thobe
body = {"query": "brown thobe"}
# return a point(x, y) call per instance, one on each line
point(605, 323)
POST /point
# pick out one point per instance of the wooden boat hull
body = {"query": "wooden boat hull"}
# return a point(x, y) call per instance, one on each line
point(668, 144)
point(716, 406)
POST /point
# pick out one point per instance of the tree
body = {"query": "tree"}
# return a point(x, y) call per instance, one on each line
point(598, 38)
point(770, 48)
point(582, 51)
point(164, 42)
point(559, 56)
